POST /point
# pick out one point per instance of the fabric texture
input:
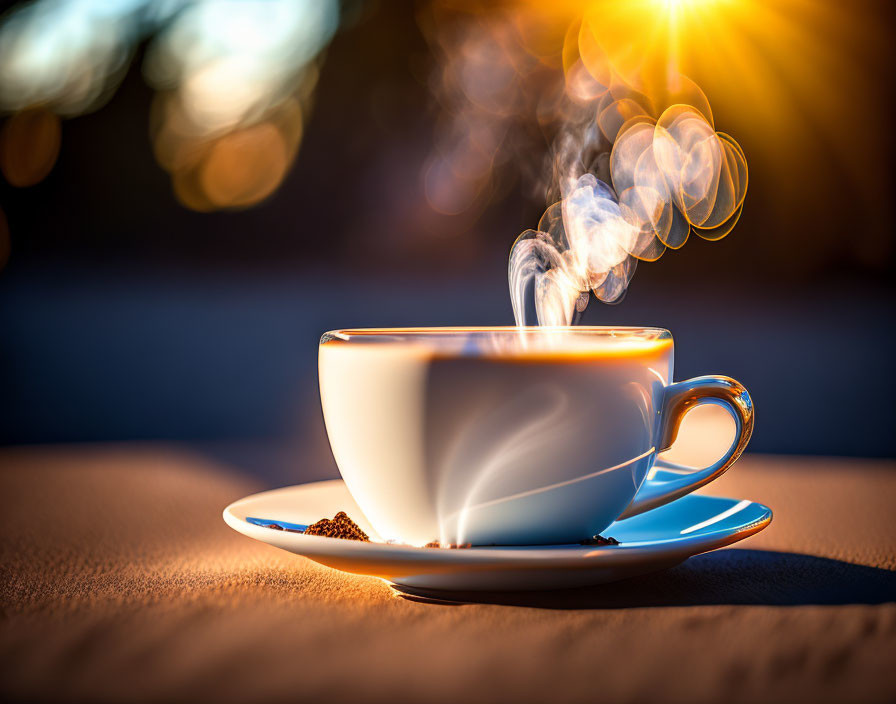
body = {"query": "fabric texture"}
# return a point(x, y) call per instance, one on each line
point(121, 583)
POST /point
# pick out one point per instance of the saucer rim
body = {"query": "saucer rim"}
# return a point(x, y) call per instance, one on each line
point(312, 546)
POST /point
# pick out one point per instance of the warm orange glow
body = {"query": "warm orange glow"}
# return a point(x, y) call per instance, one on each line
point(29, 146)
point(244, 167)
point(792, 75)
point(636, 161)
point(236, 168)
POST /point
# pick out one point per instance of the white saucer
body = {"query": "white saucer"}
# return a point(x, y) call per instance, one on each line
point(658, 539)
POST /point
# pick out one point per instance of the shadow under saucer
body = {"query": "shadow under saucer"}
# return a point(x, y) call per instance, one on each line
point(728, 576)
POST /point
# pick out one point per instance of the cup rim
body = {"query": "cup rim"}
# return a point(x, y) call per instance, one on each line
point(606, 330)
point(431, 329)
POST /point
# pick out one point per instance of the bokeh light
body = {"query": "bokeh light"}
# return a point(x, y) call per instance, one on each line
point(234, 80)
point(788, 75)
point(68, 54)
point(29, 146)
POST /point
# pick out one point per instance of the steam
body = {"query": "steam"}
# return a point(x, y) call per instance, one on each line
point(667, 177)
point(634, 165)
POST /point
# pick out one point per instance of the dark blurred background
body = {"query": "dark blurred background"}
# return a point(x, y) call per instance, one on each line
point(142, 299)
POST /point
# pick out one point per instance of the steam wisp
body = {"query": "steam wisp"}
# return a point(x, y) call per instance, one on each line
point(665, 177)
point(634, 165)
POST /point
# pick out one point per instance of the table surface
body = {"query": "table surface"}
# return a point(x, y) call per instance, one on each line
point(120, 582)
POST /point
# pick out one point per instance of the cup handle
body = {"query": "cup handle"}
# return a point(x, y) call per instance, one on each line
point(678, 399)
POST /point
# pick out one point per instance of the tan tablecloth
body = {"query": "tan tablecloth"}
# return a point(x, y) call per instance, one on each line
point(120, 582)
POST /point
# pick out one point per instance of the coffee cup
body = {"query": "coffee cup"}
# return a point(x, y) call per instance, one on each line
point(511, 436)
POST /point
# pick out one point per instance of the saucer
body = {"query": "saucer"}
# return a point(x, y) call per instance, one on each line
point(651, 541)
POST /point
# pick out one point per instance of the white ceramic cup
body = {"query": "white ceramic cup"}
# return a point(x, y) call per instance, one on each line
point(510, 436)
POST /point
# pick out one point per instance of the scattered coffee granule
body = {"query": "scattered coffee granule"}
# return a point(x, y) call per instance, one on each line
point(600, 540)
point(277, 526)
point(450, 546)
point(340, 527)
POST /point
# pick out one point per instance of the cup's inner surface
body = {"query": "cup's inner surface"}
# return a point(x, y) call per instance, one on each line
point(572, 342)
point(493, 435)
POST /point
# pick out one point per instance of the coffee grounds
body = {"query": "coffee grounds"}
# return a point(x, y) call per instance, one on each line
point(600, 540)
point(341, 526)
